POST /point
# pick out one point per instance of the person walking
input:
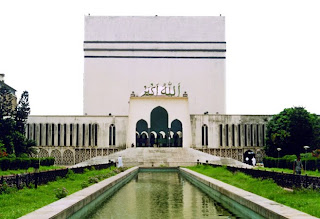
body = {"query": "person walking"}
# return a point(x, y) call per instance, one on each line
point(297, 165)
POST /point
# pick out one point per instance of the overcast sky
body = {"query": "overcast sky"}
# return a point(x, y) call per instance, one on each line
point(273, 50)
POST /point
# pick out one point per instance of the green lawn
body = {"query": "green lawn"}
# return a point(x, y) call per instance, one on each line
point(30, 170)
point(309, 173)
point(303, 200)
point(18, 203)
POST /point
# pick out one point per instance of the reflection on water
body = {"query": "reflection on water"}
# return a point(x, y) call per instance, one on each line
point(160, 195)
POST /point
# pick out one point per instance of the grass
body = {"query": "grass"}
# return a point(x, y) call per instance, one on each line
point(30, 170)
point(302, 200)
point(30, 199)
point(308, 172)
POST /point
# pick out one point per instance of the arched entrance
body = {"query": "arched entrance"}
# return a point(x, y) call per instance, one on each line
point(159, 134)
point(141, 133)
point(159, 125)
point(247, 156)
point(176, 131)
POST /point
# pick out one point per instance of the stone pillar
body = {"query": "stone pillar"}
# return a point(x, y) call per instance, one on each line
point(37, 136)
point(49, 137)
point(74, 135)
point(68, 134)
point(56, 143)
point(87, 135)
point(236, 136)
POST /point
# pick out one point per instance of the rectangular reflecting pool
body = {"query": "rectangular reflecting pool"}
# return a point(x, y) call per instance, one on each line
point(161, 194)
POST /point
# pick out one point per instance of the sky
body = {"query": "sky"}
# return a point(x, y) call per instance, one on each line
point(273, 50)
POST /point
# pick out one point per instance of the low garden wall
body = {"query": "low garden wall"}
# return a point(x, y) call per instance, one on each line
point(21, 180)
point(282, 179)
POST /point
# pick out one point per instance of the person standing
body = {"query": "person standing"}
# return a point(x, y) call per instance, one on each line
point(253, 161)
point(120, 164)
point(297, 165)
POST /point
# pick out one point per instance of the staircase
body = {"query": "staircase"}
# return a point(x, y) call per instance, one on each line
point(163, 157)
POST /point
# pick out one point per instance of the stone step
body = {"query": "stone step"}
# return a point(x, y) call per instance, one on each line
point(163, 156)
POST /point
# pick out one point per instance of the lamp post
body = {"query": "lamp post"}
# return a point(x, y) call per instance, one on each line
point(306, 148)
point(278, 149)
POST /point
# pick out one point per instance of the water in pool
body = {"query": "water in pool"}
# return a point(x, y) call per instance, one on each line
point(160, 195)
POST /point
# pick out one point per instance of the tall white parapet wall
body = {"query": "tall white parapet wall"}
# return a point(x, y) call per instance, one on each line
point(124, 54)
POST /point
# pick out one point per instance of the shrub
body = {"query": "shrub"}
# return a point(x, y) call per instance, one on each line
point(58, 178)
point(93, 180)
point(287, 161)
point(31, 186)
point(117, 170)
point(5, 163)
point(4, 188)
point(61, 192)
point(70, 175)
point(122, 169)
point(3, 154)
point(24, 155)
point(84, 184)
point(48, 161)
point(24, 163)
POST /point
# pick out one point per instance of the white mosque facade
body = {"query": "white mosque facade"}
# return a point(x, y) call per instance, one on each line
point(151, 82)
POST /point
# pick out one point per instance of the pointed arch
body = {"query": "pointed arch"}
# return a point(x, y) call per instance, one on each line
point(141, 126)
point(141, 133)
point(204, 135)
point(159, 119)
point(159, 123)
point(112, 135)
point(68, 158)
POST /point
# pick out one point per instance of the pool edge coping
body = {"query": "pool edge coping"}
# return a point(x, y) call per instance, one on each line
point(263, 206)
point(69, 205)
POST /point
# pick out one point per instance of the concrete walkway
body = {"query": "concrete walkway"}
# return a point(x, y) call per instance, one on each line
point(165, 157)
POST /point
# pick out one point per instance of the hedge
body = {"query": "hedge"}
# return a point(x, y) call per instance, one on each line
point(24, 163)
point(286, 162)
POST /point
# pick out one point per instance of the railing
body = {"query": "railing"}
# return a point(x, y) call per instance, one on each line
point(286, 180)
point(21, 180)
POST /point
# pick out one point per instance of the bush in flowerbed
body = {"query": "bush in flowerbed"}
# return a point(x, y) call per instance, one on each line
point(4, 163)
point(287, 161)
point(84, 184)
point(93, 179)
point(310, 162)
point(48, 161)
point(61, 192)
point(71, 175)
point(24, 163)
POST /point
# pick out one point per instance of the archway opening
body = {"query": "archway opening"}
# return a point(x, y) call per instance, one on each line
point(176, 131)
point(159, 125)
point(141, 133)
point(248, 155)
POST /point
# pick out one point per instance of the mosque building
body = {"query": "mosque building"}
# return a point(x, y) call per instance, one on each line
point(151, 82)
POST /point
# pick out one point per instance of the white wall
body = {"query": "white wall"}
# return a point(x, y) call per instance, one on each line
point(153, 28)
point(103, 123)
point(124, 54)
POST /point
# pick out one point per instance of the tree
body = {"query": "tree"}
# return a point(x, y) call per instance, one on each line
point(21, 144)
point(290, 130)
point(6, 101)
point(7, 130)
point(13, 122)
point(22, 112)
